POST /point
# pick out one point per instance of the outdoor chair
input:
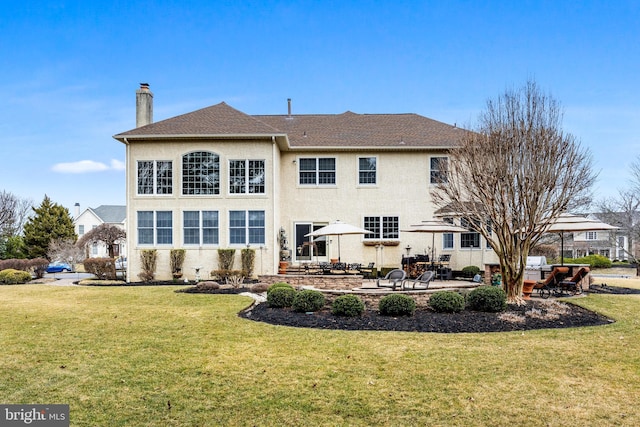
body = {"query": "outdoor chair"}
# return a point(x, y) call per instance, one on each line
point(354, 268)
point(367, 272)
point(574, 285)
point(392, 280)
point(419, 283)
point(444, 260)
point(339, 268)
point(545, 286)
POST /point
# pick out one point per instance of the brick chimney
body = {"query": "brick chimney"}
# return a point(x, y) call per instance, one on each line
point(144, 105)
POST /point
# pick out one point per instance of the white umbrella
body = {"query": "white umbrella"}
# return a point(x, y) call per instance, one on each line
point(338, 228)
point(435, 226)
point(569, 223)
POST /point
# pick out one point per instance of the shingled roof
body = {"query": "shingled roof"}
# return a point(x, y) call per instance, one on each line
point(346, 130)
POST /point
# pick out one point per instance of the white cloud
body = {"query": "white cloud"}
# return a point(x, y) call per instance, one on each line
point(117, 165)
point(83, 166)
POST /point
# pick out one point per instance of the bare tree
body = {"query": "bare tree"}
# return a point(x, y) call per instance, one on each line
point(13, 214)
point(65, 250)
point(513, 175)
point(108, 234)
point(623, 210)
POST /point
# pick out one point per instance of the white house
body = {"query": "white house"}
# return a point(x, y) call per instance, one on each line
point(219, 178)
point(91, 218)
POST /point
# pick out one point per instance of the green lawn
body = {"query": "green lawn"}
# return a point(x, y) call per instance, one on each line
point(147, 356)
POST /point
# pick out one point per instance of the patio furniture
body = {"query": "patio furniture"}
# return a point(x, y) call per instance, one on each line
point(353, 268)
point(419, 283)
point(367, 272)
point(544, 287)
point(339, 268)
point(392, 280)
point(572, 286)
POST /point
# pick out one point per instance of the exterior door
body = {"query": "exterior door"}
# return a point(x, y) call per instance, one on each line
point(309, 249)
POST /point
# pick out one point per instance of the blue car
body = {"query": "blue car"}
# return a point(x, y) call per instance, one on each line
point(58, 267)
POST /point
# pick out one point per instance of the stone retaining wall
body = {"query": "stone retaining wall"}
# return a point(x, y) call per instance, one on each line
point(317, 281)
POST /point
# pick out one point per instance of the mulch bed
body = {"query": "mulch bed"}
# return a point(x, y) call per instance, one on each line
point(424, 320)
point(605, 289)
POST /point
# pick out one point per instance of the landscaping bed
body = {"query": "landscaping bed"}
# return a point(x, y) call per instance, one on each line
point(533, 315)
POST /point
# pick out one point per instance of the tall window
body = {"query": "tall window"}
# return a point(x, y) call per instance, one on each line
point(317, 171)
point(80, 229)
point(155, 177)
point(469, 240)
point(200, 173)
point(367, 169)
point(382, 227)
point(447, 238)
point(246, 177)
point(246, 227)
point(200, 227)
point(155, 228)
point(439, 170)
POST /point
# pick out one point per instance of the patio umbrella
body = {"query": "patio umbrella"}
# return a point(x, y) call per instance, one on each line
point(569, 223)
point(434, 226)
point(338, 228)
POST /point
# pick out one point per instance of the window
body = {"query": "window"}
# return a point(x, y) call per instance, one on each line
point(447, 238)
point(80, 229)
point(591, 235)
point(469, 240)
point(439, 170)
point(155, 177)
point(155, 228)
point(320, 171)
point(94, 249)
point(246, 227)
point(246, 177)
point(200, 227)
point(200, 173)
point(367, 170)
point(382, 227)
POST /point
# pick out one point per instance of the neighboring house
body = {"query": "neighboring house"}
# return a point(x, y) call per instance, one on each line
point(92, 218)
point(219, 178)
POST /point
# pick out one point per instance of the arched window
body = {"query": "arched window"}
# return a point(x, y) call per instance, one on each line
point(200, 173)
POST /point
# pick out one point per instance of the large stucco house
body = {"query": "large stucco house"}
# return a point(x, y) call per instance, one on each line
point(219, 178)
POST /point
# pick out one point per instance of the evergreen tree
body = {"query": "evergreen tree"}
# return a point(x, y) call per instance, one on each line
point(50, 222)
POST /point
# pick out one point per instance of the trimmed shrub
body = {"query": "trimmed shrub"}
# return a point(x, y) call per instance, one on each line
point(102, 268)
point(446, 302)
point(397, 305)
point(39, 266)
point(148, 259)
point(470, 271)
point(348, 306)
point(247, 257)
point(226, 258)
point(12, 276)
point(281, 297)
point(308, 300)
point(279, 285)
point(487, 298)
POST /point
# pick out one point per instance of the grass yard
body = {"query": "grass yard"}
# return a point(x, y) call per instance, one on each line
point(147, 356)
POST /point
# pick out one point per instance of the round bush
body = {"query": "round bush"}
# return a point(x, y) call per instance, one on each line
point(446, 302)
point(348, 306)
point(14, 277)
point(308, 300)
point(279, 285)
point(470, 271)
point(281, 297)
point(487, 298)
point(397, 305)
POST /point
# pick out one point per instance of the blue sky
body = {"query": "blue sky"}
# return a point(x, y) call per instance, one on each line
point(69, 71)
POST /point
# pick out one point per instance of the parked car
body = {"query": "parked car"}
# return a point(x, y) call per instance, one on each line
point(121, 263)
point(58, 267)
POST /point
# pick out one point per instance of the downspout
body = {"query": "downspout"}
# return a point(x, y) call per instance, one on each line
point(275, 185)
point(128, 216)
